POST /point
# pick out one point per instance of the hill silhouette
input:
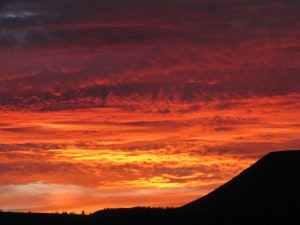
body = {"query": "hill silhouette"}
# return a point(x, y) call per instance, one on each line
point(268, 192)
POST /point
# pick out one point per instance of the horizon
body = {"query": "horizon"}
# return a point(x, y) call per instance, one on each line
point(108, 104)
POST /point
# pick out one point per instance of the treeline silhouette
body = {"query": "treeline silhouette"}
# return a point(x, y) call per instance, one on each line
point(109, 216)
point(149, 216)
point(16, 218)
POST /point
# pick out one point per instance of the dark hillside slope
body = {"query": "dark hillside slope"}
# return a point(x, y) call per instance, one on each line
point(268, 192)
point(269, 188)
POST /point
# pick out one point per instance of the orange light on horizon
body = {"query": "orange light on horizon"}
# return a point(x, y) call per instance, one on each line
point(129, 158)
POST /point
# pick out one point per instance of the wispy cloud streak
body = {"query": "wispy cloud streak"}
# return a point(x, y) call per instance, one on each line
point(111, 102)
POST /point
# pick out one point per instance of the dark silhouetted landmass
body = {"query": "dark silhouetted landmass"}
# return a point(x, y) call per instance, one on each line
point(268, 192)
point(13, 218)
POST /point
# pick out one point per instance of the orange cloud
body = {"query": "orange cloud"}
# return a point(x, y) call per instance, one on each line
point(155, 106)
point(113, 150)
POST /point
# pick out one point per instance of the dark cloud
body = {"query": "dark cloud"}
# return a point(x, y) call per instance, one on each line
point(133, 22)
point(26, 36)
point(21, 129)
point(31, 146)
point(18, 13)
point(178, 63)
point(163, 53)
point(61, 90)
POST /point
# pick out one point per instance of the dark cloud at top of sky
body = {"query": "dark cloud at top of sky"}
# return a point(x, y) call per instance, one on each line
point(22, 14)
point(197, 50)
point(194, 20)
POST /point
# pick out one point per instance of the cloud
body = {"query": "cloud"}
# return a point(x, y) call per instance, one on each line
point(21, 129)
point(178, 95)
point(103, 24)
point(30, 145)
point(33, 196)
point(47, 197)
point(18, 11)
point(34, 93)
point(154, 53)
point(27, 36)
point(20, 24)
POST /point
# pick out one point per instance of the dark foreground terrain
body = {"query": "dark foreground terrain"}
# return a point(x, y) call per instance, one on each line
point(268, 192)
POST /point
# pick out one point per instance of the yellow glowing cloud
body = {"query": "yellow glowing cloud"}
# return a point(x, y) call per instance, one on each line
point(117, 151)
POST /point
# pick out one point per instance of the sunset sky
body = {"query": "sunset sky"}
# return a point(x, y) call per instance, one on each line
point(119, 103)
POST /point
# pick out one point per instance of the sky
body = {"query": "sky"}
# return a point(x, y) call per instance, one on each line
point(114, 103)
